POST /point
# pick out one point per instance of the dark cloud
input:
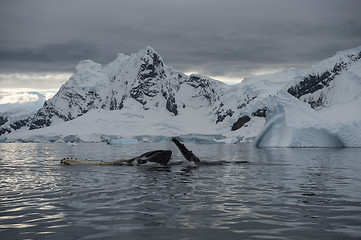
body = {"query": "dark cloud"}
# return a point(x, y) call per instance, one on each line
point(209, 36)
point(49, 57)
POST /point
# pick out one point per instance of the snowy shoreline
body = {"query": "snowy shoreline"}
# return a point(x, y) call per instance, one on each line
point(120, 140)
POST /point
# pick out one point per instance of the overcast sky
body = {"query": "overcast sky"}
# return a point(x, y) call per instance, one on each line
point(41, 41)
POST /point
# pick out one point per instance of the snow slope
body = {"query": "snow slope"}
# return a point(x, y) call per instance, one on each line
point(99, 124)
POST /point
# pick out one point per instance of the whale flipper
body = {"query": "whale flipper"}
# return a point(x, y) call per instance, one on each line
point(186, 153)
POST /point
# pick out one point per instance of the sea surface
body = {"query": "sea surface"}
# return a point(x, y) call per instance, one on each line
point(280, 194)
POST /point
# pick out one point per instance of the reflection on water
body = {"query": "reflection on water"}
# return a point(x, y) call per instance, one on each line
point(281, 193)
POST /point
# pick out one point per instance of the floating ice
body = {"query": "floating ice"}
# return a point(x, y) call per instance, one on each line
point(292, 123)
point(122, 141)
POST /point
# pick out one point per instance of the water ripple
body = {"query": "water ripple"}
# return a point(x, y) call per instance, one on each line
point(282, 194)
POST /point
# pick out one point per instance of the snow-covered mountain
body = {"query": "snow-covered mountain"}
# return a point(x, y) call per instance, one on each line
point(334, 80)
point(13, 119)
point(329, 113)
point(138, 95)
point(138, 84)
point(142, 79)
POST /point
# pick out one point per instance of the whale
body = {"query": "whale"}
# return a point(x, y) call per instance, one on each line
point(158, 156)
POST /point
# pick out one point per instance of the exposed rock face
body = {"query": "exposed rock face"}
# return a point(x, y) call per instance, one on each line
point(19, 124)
point(240, 122)
point(223, 113)
point(14, 120)
point(315, 87)
point(3, 120)
point(4, 129)
point(260, 112)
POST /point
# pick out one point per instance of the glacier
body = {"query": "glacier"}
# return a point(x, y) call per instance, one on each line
point(292, 123)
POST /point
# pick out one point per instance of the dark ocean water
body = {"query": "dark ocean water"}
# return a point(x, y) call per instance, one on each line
point(280, 194)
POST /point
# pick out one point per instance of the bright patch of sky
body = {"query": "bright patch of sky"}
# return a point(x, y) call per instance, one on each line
point(34, 90)
point(28, 99)
point(19, 98)
point(8, 96)
point(41, 81)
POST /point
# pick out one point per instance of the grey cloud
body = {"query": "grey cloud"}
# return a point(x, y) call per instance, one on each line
point(53, 57)
point(213, 37)
point(52, 52)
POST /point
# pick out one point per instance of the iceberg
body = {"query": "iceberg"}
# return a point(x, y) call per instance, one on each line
point(122, 141)
point(293, 123)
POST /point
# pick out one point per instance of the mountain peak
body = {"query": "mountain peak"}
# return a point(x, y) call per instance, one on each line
point(149, 48)
point(149, 55)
